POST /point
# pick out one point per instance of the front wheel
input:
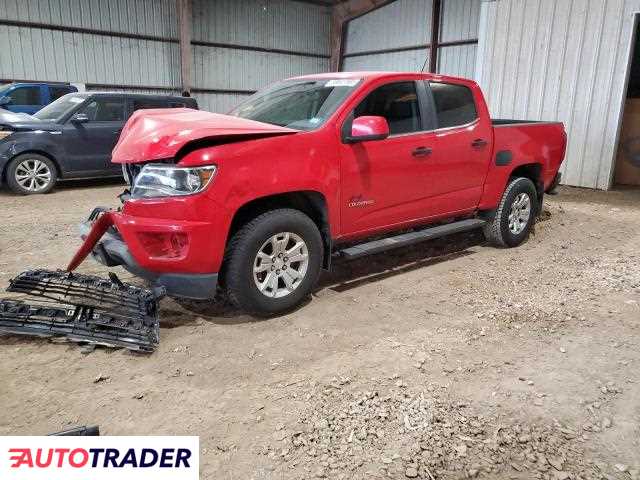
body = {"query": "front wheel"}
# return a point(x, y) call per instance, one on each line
point(273, 262)
point(31, 173)
point(515, 216)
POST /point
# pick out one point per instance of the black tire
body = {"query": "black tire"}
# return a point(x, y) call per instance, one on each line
point(37, 186)
point(242, 253)
point(497, 230)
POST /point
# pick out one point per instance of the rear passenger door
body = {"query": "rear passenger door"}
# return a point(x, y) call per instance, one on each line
point(460, 164)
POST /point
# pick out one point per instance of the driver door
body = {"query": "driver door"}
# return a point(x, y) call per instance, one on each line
point(388, 182)
point(89, 144)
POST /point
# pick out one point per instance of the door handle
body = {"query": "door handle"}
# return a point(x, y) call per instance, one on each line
point(479, 142)
point(421, 152)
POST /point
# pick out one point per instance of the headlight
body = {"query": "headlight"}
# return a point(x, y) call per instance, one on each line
point(5, 134)
point(169, 181)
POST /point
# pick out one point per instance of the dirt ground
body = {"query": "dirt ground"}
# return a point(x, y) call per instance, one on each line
point(450, 359)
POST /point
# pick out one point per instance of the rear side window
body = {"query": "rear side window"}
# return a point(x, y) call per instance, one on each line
point(143, 104)
point(57, 92)
point(25, 96)
point(454, 104)
point(106, 110)
point(398, 103)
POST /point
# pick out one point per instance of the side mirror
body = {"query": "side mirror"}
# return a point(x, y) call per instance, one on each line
point(368, 128)
point(5, 101)
point(80, 118)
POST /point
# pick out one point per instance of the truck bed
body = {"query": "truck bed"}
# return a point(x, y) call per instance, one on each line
point(504, 122)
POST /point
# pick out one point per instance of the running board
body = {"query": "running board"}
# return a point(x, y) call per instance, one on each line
point(410, 238)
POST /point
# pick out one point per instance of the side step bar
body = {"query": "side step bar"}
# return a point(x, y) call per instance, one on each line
point(410, 238)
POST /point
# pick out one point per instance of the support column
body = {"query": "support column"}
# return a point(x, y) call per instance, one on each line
point(336, 40)
point(435, 36)
point(184, 35)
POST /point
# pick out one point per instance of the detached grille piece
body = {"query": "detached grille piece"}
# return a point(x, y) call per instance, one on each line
point(82, 308)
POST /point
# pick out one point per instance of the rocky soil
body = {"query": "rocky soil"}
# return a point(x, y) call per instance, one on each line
point(448, 360)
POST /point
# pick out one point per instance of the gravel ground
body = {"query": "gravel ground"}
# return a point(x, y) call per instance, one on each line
point(451, 359)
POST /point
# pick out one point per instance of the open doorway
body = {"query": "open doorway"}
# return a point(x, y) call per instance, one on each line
point(627, 166)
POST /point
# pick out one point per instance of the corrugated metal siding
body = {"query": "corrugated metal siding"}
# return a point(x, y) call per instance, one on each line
point(408, 61)
point(403, 23)
point(218, 102)
point(406, 23)
point(143, 17)
point(459, 60)
point(248, 70)
point(41, 54)
point(276, 24)
point(52, 55)
point(459, 20)
point(566, 61)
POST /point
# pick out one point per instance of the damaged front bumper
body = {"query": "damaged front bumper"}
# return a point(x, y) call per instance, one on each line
point(107, 246)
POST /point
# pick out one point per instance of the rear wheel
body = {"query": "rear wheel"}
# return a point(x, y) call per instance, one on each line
point(30, 174)
point(515, 216)
point(273, 262)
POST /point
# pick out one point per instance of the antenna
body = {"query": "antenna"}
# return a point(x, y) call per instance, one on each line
point(424, 64)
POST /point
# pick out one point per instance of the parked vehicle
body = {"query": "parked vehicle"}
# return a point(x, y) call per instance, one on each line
point(71, 138)
point(256, 202)
point(31, 97)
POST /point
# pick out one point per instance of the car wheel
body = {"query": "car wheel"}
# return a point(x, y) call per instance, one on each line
point(512, 222)
point(273, 262)
point(31, 173)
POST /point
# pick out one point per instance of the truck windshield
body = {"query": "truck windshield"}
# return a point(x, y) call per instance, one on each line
point(56, 110)
point(299, 104)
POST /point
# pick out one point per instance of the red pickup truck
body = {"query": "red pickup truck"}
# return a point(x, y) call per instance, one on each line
point(257, 201)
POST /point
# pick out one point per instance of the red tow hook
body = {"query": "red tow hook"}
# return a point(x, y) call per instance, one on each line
point(99, 227)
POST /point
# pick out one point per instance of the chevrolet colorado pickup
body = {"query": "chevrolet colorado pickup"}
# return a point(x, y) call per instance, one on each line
point(255, 202)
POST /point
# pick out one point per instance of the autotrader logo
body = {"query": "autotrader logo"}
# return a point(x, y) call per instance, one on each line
point(70, 458)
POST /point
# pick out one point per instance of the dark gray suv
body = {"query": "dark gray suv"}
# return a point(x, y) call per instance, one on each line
point(71, 138)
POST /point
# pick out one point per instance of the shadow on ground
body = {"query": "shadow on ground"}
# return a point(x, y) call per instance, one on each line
point(345, 275)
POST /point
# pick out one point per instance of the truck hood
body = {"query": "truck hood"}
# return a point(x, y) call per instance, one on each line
point(157, 134)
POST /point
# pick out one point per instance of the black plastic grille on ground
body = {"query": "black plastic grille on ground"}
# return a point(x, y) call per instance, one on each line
point(82, 308)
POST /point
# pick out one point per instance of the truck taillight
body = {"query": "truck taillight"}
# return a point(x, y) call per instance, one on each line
point(164, 245)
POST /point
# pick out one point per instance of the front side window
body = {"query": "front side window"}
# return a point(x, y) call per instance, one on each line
point(298, 104)
point(58, 109)
point(397, 103)
point(454, 104)
point(105, 110)
point(25, 96)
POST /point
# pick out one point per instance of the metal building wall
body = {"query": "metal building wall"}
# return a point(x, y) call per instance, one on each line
point(282, 39)
point(459, 22)
point(123, 43)
point(404, 26)
point(239, 46)
point(566, 61)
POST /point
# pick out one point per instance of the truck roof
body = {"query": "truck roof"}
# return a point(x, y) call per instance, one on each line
point(375, 74)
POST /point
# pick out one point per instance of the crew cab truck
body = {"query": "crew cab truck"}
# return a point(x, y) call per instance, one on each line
point(255, 202)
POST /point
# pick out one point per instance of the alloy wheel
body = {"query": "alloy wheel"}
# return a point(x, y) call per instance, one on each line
point(33, 175)
point(281, 264)
point(520, 213)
